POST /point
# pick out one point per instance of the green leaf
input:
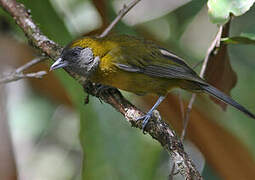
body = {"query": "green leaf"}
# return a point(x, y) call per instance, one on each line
point(220, 10)
point(244, 38)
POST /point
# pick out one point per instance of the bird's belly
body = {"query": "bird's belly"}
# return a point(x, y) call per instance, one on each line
point(137, 83)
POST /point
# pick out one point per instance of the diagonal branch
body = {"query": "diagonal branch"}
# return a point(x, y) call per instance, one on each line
point(157, 128)
point(23, 18)
point(121, 14)
point(30, 64)
point(215, 43)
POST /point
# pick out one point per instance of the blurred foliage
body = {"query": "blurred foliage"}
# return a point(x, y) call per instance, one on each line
point(113, 150)
point(183, 19)
point(220, 11)
point(42, 12)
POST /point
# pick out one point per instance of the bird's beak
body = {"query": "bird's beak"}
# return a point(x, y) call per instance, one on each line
point(59, 63)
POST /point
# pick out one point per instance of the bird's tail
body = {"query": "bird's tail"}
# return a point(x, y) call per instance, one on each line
point(223, 97)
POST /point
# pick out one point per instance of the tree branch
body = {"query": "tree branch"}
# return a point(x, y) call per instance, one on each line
point(121, 14)
point(14, 76)
point(215, 43)
point(18, 73)
point(157, 128)
point(23, 18)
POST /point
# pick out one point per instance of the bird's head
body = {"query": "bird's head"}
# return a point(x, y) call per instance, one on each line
point(79, 56)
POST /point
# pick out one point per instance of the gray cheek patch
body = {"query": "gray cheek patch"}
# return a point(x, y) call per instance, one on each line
point(92, 66)
point(86, 57)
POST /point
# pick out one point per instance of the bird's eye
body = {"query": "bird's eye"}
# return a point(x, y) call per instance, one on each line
point(74, 53)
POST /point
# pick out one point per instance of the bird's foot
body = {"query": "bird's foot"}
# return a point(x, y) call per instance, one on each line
point(101, 89)
point(95, 89)
point(145, 119)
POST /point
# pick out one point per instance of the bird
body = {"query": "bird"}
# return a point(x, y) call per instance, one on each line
point(135, 65)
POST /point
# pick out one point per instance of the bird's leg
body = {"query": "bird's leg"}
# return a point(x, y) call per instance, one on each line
point(146, 117)
point(95, 89)
point(101, 89)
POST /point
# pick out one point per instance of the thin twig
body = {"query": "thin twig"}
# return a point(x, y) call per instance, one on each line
point(121, 14)
point(215, 43)
point(18, 73)
point(181, 106)
point(197, 64)
point(157, 128)
point(14, 76)
point(186, 117)
point(30, 64)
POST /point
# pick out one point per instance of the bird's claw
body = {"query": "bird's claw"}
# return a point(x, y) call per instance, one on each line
point(145, 119)
point(101, 89)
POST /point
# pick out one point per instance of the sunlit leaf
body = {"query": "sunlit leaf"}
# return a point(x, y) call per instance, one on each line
point(244, 38)
point(220, 10)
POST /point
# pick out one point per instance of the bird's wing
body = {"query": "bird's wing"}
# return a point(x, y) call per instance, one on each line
point(157, 62)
